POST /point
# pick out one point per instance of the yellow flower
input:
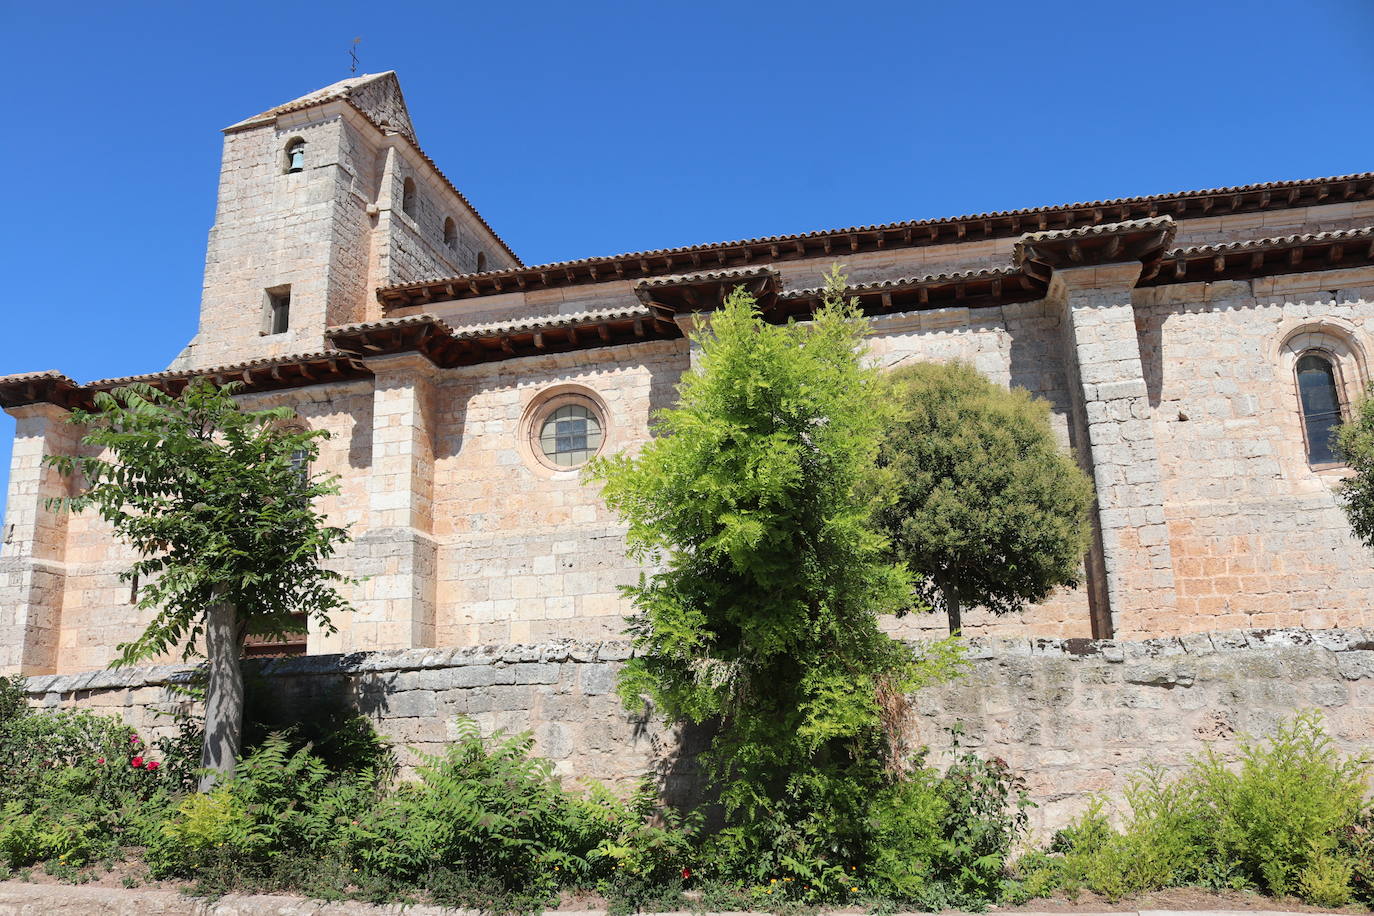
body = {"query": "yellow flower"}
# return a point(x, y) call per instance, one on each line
point(773, 881)
point(854, 890)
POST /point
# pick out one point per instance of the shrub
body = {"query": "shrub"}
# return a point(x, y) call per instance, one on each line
point(645, 856)
point(73, 786)
point(1286, 818)
point(13, 702)
point(280, 801)
point(483, 808)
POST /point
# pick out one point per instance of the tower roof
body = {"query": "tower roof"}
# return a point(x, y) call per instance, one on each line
point(376, 95)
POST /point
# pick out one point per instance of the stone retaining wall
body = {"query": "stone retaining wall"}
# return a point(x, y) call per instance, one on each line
point(1074, 716)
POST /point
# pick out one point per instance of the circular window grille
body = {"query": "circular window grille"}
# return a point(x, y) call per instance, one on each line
point(570, 436)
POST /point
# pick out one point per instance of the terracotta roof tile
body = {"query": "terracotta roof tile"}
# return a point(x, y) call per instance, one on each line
point(551, 321)
point(232, 369)
point(22, 377)
point(958, 276)
point(1281, 241)
point(733, 273)
point(1294, 185)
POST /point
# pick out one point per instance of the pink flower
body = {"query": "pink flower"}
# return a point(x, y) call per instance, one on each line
point(133, 739)
point(153, 765)
point(136, 762)
point(100, 760)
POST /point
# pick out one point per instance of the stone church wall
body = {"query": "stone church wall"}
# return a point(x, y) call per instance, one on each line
point(528, 553)
point(1075, 717)
point(1258, 536)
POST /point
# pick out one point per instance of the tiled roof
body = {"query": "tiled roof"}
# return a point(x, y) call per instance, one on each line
point(1083, 232)
point(332, 92)
point(709, 276)
point(232, 369)
point(958, 276)
point(1282, 241)
point(550, 321)
point(996, 224)
point(23, 377)
point(383, 324)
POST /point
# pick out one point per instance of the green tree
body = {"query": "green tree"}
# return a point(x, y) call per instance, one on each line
point(753, 503)
point(1354, 444)
point(984, 504)
point(218, 503)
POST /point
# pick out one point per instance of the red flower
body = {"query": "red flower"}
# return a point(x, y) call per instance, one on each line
point(686, 873)
point(100, 760)
point(136, 762)
point(153, 765)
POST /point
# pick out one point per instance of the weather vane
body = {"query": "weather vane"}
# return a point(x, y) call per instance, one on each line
point(353, 53)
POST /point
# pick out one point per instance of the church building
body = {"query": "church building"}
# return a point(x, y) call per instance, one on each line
point(1197, 349)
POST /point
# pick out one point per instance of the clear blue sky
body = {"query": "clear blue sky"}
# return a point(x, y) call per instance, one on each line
point(593, 128)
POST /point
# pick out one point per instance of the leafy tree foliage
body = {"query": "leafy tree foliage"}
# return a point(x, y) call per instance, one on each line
point(219, 506)
point(985, 504)
point(1354, 444)
point(753, 502)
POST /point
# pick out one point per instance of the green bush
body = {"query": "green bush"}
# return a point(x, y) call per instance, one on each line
point(483, 808)
point(13, 701)
point(1289, 816)
point(73, 786)
point(1283, 809)
point(281, 802)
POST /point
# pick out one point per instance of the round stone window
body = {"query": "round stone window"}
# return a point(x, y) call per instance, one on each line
point(567, 430)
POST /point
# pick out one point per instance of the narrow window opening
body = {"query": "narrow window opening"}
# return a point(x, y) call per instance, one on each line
point(133, 589)
point(408, 197)
point(481, 261)
point(295, 156)
point(450, 233)
point(279, 310)
point(1321, 406)
point(301, 465)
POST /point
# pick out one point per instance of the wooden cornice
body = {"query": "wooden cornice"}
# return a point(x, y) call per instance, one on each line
point(39, 388)
point(968, 289)
point(1264, 258)
point(1041, 253)
point(704, 292)
point(448, 348)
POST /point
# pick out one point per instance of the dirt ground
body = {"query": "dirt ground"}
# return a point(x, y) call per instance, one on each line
point(1176, 898)
point(127, 875)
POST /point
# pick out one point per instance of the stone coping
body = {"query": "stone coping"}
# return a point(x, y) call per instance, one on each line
point(20, 899)
point(1352, 639)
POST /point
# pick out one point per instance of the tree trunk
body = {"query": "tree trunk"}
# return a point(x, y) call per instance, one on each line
point(223, 694)
point(950, 591)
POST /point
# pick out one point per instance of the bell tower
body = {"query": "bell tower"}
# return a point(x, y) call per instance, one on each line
point(321, 201)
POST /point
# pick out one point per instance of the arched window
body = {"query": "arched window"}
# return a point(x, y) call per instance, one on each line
point(1320, 397)
point(408, 197)
point(295, 156)
point(481, 261)
point(450, 233)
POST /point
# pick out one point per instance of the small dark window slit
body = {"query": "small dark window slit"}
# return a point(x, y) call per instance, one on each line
point(1321, 407)
point(281, 312)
